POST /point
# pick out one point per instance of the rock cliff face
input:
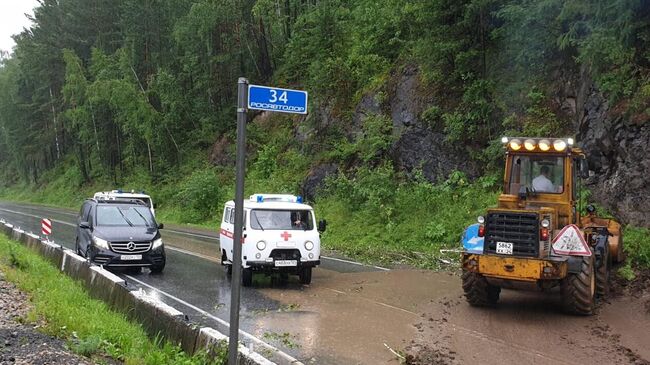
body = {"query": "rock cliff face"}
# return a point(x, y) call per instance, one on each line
point(416, 146)
point(618, 151)
point(419, 146)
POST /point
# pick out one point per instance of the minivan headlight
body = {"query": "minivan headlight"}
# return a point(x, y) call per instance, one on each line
point(157, 243)
point(309, 245)
point(101, 243)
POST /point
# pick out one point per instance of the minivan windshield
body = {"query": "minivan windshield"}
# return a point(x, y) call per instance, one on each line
point(541, 174)
point(264, 219)
point(124, 215)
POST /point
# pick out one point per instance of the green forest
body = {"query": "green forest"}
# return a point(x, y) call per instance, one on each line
point(141, 94)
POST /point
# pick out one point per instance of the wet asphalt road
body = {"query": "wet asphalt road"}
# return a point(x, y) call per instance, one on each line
point(355, 314)
point(287, 315)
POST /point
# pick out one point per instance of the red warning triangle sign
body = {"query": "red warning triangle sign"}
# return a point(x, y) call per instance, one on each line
point(571, 242)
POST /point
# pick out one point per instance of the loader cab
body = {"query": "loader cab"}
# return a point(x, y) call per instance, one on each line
point(543, 173)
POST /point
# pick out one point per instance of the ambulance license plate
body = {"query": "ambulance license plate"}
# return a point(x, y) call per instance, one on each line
point(130, 257)
point(283, 263)
point(504, 248)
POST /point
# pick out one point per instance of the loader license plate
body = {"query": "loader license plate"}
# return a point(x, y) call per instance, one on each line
point(504, 248)
point(280, 263)
point(131, 257)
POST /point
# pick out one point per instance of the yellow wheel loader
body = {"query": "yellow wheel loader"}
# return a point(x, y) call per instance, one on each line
point(536, 238)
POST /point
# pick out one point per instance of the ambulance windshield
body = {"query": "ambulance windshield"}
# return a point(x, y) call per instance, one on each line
point(263, 219)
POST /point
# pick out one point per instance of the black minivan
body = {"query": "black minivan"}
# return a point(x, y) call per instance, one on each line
point(120, 233)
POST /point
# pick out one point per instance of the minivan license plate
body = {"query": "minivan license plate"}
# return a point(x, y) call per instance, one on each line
point(280, 263)
point(504, 248)
point(131, 257)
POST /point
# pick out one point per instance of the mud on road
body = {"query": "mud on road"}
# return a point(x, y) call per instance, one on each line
point(530, 328)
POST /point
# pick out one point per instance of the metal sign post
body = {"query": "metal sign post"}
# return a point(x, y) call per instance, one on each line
point(233, 339)
point(260, 98)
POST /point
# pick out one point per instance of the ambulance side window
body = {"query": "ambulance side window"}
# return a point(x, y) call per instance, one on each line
point(232, 216)
point(226, 215)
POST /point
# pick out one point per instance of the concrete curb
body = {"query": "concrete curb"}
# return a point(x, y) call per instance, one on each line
point(156, 317)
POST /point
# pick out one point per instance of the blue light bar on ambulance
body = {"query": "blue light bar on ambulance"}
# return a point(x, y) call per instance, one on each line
point(286, 198)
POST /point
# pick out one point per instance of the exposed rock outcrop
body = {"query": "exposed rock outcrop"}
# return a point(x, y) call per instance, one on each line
point(417, 145)
point(618, 151)
point(420, 148)
point(222, 152)
point(316, 179)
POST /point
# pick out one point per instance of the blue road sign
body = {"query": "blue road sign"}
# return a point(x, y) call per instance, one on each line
point(277, 100)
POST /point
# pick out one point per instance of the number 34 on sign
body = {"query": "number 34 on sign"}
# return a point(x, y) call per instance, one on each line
point(277, 100)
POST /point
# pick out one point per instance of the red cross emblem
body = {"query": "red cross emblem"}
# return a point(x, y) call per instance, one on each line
point(285, 235)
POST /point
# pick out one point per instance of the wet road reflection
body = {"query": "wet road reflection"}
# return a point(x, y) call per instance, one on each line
point(329, 322)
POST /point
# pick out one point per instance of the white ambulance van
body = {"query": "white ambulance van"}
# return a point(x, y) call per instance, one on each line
point(119, 194)
point(280, 234)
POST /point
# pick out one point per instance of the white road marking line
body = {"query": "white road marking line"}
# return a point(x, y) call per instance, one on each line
point(191, 234)
point(38, 216)
point(375, 302)
point(217, 319)
point(205, 257)
point(354, 263)
point(204, 236)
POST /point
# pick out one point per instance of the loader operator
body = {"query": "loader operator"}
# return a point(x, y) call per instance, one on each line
point(542, 183)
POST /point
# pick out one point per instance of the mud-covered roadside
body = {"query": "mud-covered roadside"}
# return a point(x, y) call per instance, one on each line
point(528, 327)
point(23, 343)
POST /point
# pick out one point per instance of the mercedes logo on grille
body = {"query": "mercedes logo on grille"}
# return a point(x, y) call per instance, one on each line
point(130, 246)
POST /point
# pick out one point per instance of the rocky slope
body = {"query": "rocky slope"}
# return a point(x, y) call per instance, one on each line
point(618, 150)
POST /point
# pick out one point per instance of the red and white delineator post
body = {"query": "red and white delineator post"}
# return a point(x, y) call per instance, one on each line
point(46, 228)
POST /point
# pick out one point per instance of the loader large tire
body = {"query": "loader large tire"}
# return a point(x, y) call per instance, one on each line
point(478, 292)
point(602, 274)
point(579, 290)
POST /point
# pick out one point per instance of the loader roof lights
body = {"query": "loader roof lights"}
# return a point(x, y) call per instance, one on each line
point(544, 145)
point(537, 144)
point(530, 144)
point(559, 145)
point(515, 145)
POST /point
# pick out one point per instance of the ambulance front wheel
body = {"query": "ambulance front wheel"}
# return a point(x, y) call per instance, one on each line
point(228, 270)
point(246, 276)
point(305, 275)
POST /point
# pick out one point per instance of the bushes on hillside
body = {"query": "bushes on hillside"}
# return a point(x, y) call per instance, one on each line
point(199, 195)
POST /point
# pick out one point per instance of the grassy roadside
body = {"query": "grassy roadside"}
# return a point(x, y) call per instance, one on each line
point(636, 243)
point(88, 326)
